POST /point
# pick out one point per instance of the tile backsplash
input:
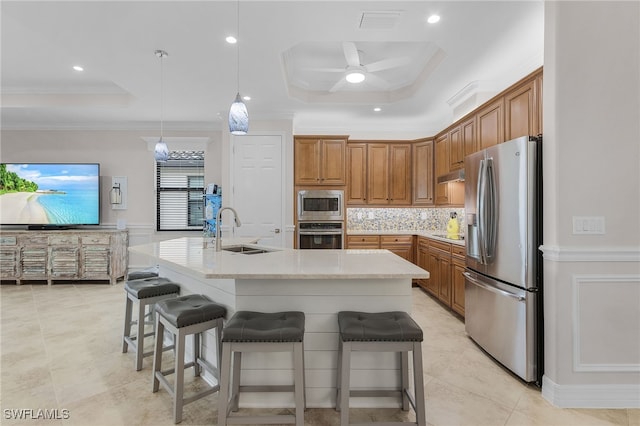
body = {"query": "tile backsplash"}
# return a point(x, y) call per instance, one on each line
point(399, 219)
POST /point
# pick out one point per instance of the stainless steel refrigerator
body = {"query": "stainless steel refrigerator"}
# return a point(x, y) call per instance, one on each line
point(503, 277)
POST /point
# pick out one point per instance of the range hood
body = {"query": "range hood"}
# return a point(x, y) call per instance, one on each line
point(455, 176)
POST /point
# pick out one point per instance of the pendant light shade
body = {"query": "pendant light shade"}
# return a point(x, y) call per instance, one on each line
point(161, 152)
point(238, 117)
point(238, 114)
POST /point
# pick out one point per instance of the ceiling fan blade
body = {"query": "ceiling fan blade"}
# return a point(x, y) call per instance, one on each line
point(389, 63)
point(376, 81)
point(324, 69)
point(339, 85)
point(351, 53)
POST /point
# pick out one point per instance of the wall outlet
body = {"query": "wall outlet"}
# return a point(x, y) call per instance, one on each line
point(423, 215)
point(370, 215)
point(588, 225)
point(359, 215)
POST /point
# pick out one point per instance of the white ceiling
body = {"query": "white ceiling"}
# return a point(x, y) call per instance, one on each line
point(477, 49)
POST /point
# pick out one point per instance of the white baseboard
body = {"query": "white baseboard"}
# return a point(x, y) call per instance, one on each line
point(591, 396)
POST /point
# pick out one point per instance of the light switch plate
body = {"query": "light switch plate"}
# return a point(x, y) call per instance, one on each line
point(120, 181)
point(588, 225)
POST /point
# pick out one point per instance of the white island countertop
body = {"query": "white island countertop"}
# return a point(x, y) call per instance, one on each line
point(189, 254)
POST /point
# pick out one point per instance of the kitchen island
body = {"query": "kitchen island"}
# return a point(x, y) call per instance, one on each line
point(318, 282)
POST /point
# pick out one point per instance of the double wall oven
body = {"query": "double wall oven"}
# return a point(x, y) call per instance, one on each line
point(320, 219)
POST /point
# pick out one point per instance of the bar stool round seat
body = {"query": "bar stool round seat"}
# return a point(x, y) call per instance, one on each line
point(182, 316)
point(249, 331)
point(146, 292)
point(381, 332)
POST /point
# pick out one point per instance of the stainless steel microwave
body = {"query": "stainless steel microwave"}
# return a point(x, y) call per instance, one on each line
point(320, 204)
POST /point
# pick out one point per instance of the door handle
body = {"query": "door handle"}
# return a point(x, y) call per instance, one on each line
point(492, 289)
point(277, 230)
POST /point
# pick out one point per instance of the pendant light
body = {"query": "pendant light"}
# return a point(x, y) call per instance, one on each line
point(161, 153)
point(238, 115)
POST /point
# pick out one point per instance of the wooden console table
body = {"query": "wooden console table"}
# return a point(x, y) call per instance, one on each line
point(63, 255)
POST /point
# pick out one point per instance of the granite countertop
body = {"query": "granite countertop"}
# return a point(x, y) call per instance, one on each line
point(421, 233)
point(190, 255)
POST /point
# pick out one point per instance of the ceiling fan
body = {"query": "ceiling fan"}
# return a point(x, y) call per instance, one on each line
point(356, 71)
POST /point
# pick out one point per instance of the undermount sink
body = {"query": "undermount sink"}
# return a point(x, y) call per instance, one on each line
point(244, 249)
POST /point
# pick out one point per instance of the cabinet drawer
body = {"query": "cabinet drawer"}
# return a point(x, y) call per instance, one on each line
point(362, 239)
point(423, 242)
point(56, 240)
point(34, 240)
point(396, 239)
point(95, 239)
point(459, 251)
point(8, 240)
point(439, 245)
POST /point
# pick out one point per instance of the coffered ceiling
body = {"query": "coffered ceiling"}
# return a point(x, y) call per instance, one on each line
point(293, 56)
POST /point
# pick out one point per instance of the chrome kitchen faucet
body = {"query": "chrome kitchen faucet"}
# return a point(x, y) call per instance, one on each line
point(218, 219)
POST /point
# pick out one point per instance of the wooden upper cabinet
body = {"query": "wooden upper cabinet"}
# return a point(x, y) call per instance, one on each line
point(378, 173)
point(521, 112)
point(320, 160)
point(539, 102)
point(469, 140)
point(490, 122)
point(356, 191)
point(423, 173)
point(456, 148)
point(399, 174)
point(442, 154)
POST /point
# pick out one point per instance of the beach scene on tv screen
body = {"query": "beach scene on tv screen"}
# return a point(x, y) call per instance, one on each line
point(49, 194)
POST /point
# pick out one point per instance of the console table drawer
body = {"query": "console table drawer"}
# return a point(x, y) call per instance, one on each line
point(58, 240)
point(95, 239)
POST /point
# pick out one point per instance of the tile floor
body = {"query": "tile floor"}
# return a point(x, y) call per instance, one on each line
point(61, 349)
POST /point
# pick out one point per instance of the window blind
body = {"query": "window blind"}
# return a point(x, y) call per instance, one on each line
point(179, 189)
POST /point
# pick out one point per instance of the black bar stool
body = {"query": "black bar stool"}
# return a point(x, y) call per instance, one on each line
point(261, 332)
point(381, 332)
point(182, 316)
point(146, 292)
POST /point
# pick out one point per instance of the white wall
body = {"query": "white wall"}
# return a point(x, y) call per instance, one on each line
point(592, 168)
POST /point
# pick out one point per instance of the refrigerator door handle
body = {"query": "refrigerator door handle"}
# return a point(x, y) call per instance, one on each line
point(491, 212)
point(480, 212)
point(491, 288)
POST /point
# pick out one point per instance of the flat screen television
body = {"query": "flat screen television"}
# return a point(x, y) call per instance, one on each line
point(49, 195)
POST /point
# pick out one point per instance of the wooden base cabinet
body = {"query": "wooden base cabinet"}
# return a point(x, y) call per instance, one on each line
point(63, 255)
point(402, 245)
point(457, 278)
point(445, 263)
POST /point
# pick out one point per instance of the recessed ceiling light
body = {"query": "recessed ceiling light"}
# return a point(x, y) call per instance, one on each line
point(231, 40)
point(78, 68)
point(246, 98)
point(355, 77)
point(377, 109)
point(433, 19)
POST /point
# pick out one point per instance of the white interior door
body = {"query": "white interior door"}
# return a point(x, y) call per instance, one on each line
point(258, 187)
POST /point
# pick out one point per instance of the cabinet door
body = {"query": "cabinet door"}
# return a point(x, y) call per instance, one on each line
point(457, 284)
point(521, 115)
point(442, 155)
point(444, 275)
point(423, 173)
point(469, 136)
point(490, 122)
point(456, 149)
point(333, 153)
point(400, 174)
point(539, 103)
point(356, 192)
point(9, 262)
point(422, 260)
point(64, 262)
point(378, 173)
point(307, 161)
point(433, 283)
